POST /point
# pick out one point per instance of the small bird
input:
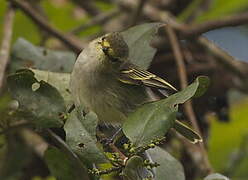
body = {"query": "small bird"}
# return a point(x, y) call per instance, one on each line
point(105, 81)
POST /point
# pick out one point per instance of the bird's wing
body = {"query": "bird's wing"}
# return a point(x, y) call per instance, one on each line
point(136, 76)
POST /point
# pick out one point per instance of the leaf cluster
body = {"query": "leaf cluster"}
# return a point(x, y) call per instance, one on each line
point(43, 99)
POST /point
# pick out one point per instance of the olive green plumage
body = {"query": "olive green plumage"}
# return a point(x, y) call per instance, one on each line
point(104, 80)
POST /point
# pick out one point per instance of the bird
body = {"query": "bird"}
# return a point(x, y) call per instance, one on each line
point(105, 81)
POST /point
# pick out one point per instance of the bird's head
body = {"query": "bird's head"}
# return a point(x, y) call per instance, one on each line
point(114, 48)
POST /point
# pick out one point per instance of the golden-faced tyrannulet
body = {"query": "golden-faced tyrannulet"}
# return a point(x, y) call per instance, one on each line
point(105, 81)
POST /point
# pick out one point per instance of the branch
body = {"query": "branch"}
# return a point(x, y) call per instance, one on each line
point(239, 68)
point(181, 72)
point(198, 29)
point(6, 41)
point(137, 12)
point(88, 6)
point(184, 82)
point(178, 56)
point(149, 12)
point(69, 40)
point(98, 20)
point(236, 66)
point(185, 30)
point(116, 150)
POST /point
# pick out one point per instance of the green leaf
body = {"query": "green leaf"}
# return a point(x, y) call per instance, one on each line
point(61, 81)
point(132, 169)
point(169, 168)
point(153, 120)
point(61, 166)
point(82, 139)
point(26, 55)
point(150, 121)
point(89, 121)
point(38, 101)
point(216, 176)
point(196, 89)
point(138, 39)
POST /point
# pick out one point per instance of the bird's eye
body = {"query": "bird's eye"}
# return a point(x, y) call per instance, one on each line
point(105, 50)
point(108, 51)
point(110, 54)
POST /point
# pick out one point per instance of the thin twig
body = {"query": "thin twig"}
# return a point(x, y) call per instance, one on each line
point(237, 67)
point(234, 65)
point(182, 73)
point(149, 12)
point(39, 9)
point(88, 6)
point(69, 40)
point(6, 41)
point(178, 56)
point(184, 81)
point(98, 20)
point(185, 30)
point(192, 10)
point(137, 12)
point(116, 150)
point(198, 29)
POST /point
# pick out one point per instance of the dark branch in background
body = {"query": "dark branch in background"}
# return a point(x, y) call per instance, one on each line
point(196, 8)
point(198, 29)
point(137, 12)
point(184, 82)
point(236, 66)
point(6, 41)
point(178, 56)
point(36, 5)
point(88, 6)
point(100, 19)
point(68, 40)
point(184, 30)
point(148, 12)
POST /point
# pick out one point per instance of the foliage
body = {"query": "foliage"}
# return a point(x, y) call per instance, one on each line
point(139, 38)
point(41, 96)
point(153, 120)
point(42, 58)
point(60, 165)
point(67, 143)
point(38, 101)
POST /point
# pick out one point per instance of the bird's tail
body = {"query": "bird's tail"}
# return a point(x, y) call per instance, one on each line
point(187, 132)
